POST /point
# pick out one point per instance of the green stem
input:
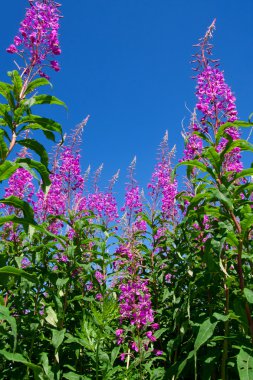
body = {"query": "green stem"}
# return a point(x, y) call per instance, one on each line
point(97, 360)
point(225, 342)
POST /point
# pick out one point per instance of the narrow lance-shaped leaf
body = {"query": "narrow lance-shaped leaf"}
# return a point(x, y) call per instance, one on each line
point(48, 99)
point(198, 165)
point(5, 89)
point(248, 294)
point(3, 146)
point(245, 364)
point(37, 83)
point(206, 331)
point(17, 84)
point(12, 271)
point(57, 338)
point(20, 359)
point(5, 315)
point(37, 148)
point(20, 204)
point(236, 124)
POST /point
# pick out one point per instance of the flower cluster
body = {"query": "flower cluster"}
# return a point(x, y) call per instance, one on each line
point(215, 98)
point(135, 303)
point(132, 200)
point(70, 170)
point(20, 185)
point(103, 205)
point(38, 35)
point(162, 185)
point(216, 103)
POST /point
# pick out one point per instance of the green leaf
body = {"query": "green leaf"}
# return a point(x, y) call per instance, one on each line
point(7, 168)
point(3, 146)
point(114, 354)
point(221, 317)
point(13, 218)
point(35, 84)
point(248, 294)
point(51, 317)
point(246, 222)
point(20, 359)
point(213, 157)
point(5, 315)
point(12, 271)
point(241, 123)
point(242, 144)
point(45, 364)
point(206, 330)
point(5, 89)
point(37, 148)
point(72, 376)
point(19, 203)
point(231, 239)
point(243, 173)
point(235, 124)
point(218, 195)
point(245, 364)
point(58, 337)
point(48, 99)
point(198, 165)
point(17, 84)
point(40, 123)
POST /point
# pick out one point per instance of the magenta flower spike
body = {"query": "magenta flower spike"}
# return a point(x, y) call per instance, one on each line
point(216, 105)
point(37, 39)
point(162, 187)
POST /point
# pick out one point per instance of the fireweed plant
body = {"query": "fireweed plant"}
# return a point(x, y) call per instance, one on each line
point(157, 288)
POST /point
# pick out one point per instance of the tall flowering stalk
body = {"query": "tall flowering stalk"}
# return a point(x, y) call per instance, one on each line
point(163, 188)
point(216, 105)
point(37, 41)
point(66, 181)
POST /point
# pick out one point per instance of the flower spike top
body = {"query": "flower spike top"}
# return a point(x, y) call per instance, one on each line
point(37, 40)
point(215, 103)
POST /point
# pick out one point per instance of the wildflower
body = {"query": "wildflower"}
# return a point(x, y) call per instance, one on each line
point(37, 38)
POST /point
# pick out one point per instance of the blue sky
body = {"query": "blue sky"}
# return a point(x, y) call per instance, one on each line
point(127, 64)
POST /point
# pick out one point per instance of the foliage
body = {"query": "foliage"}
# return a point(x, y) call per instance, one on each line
point(161, 289)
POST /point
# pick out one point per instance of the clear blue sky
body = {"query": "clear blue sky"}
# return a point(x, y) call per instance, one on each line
point(126, 63)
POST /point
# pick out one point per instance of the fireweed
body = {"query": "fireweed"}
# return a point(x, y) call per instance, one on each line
point(216, 104)
point(138, 293)
point(37, 41)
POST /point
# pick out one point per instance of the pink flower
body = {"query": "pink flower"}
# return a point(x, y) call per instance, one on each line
point(55, 65)
point(150, 336)
point(38, 34)
point(134, 346)
point(12, 49)
point(119, 332)
point(158, 352)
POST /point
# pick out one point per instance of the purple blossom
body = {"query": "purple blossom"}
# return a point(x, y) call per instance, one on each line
point(215, 98)
point(132, 200)
point(103, 205)
point(150, 336)
point(158, 352)
point(135, 303)
point(134, 346)
point(216, 104)
point(38, 35)
point(20, 185)
point(100, 277)
point(162, 186)
point(193, 148)
point(119, 332)
point(25, 263)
